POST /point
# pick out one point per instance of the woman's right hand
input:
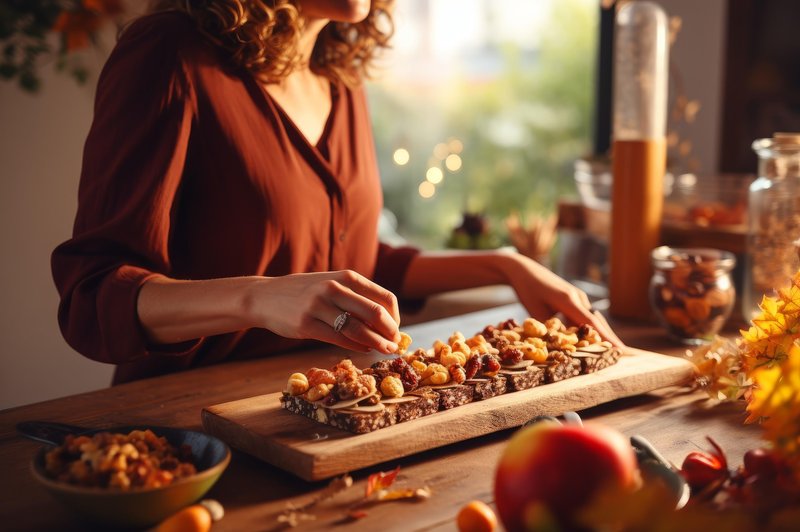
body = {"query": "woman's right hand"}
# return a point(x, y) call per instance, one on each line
point(306, 305)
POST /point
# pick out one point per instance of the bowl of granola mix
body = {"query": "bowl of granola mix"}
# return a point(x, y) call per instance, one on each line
point(126, 476)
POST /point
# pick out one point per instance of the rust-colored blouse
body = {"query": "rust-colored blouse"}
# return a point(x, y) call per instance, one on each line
point(190, 170)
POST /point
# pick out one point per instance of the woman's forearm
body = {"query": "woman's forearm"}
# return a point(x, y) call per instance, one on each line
point(542, 292)
point(443, 271)
point(300, 306)
point(172, 311)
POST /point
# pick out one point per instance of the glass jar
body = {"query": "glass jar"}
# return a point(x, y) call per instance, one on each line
point(774, 219)
point(691, 291)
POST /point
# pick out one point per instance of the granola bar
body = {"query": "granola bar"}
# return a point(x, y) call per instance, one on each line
point(500, 359)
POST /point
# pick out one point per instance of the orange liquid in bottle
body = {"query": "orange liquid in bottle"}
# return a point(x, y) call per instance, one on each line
point(637, 204)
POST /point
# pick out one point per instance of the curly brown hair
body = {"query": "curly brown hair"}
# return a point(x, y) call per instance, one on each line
point(262, 36)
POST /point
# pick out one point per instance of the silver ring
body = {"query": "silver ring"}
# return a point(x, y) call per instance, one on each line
point(340, 321)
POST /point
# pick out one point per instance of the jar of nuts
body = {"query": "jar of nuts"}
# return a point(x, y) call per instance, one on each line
point(691, 292)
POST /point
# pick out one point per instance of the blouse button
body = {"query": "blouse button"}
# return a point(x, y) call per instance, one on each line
point(341, 236)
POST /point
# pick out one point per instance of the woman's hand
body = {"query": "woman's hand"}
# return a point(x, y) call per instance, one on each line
point(543, 293)
point(307, 305)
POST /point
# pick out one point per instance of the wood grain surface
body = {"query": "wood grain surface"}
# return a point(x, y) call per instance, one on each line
point(314, 451)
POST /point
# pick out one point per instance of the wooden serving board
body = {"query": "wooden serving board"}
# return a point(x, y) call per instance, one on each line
point(313, 451)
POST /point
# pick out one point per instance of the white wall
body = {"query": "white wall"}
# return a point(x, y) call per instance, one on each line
point(41, 140)
point(41, 144)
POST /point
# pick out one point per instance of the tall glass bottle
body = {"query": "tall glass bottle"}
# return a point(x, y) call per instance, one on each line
point(774, 219)
point(638, 153)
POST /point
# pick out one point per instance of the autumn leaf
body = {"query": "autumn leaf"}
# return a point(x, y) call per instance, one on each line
point(409, 493)
point(718, 369)
point(381, 480)
point(790, 297)
point(771, 361)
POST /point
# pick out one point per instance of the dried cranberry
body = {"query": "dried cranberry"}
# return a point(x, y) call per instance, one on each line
point(511, 355)
point(398, 365)
point(583, 331)
point(508, 324)
point(490, 364)
point(472, 367)
point(408, 375)
point(488, 332)
point(410, 379)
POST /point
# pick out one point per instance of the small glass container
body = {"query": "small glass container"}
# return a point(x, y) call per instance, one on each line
point(691, 291)
point(774, 219)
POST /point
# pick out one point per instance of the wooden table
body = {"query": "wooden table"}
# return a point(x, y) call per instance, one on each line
point(675, 420)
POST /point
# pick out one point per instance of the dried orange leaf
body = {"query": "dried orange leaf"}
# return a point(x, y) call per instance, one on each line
point(391, 495)
point(381, 480)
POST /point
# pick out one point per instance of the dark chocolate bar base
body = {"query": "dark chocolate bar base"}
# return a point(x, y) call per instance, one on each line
point(560, 367)
point(358, 423)
point(591, 363)
point(490, 387)
point(453, 396)
point(428, 404)
point(524, 379)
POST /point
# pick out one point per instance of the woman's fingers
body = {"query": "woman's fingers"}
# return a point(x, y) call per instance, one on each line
point(577, 312)
point(372, 304)
point(574, 304)
point(307, 305)
point(353, 328)
point(319, 330)
point(584, 299)
point(607, 332)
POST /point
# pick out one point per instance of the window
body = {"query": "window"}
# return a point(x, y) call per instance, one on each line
point(482, 106)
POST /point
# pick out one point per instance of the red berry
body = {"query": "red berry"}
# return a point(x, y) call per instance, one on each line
point(490, 365)
point(761, 463)
point(702, 469)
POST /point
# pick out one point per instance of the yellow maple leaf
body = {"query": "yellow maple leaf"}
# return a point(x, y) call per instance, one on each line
point(790, 297)
point(771, 361)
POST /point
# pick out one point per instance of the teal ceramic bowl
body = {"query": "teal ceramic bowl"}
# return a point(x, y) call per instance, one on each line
point(144, 507)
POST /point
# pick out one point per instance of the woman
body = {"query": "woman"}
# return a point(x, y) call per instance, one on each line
point(229, 196)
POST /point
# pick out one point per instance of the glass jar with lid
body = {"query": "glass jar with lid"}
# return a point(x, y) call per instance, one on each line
point(691, 291)
point(774, 219)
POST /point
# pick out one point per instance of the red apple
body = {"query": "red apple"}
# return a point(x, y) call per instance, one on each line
point(548, 472)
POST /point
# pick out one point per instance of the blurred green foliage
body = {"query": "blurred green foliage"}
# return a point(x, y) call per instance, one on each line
point(521, 132)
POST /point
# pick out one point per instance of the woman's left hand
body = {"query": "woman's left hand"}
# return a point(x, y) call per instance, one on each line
point(543, 293)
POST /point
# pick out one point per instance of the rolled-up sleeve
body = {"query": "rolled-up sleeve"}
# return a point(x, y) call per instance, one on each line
point(133, 163)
